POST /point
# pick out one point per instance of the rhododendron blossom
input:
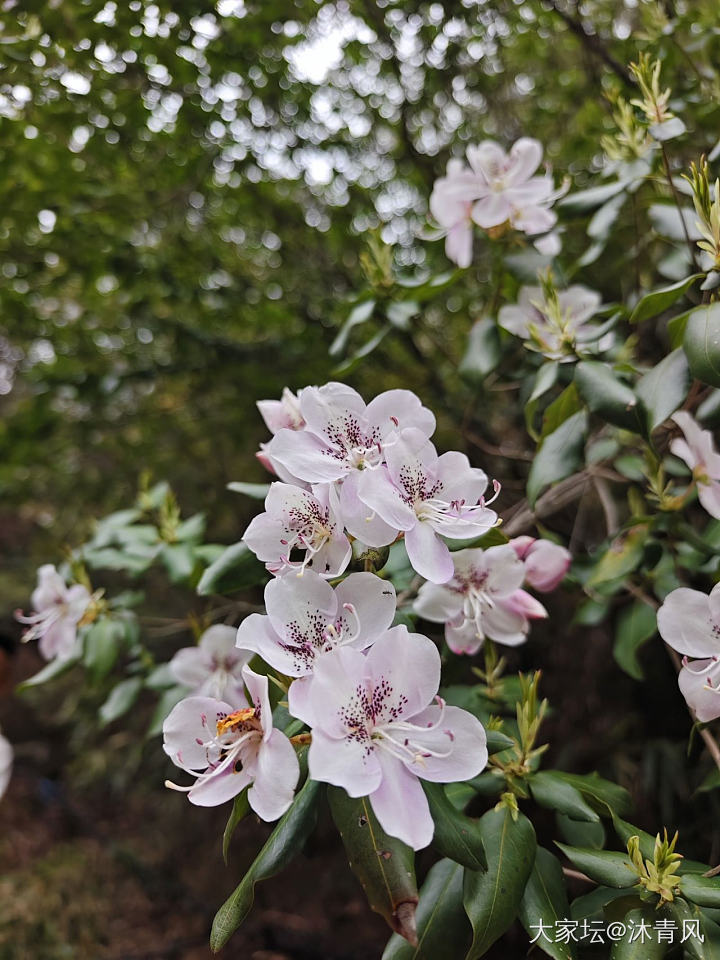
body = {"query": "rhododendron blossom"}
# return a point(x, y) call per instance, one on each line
point(6, 762)
point(496, 188)
point(227, 749)
point(483, 599)
point(546, 563)
point(58, 609)
point(213, 668)
point(689, 622)
point(426, 496)
point(300, 529)
point(283, 414)
point(554, 323)
point(697, 449)
point(308, 619)
point(377, 725)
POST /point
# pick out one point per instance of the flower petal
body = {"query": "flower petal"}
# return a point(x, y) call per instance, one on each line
point(409, 665)
point(276, 775)
point(344, 762)
point(459, 734)
point(685, 624)
point(400, 804)
point(427, 553)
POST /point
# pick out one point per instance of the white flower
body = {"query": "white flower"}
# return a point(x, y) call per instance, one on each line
point(214, 667)
point(698, 451)
point(58, 611)
point(553, 323)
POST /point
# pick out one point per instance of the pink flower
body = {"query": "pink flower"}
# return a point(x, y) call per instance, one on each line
point(283, 414)
point(227, 749)
point(689, 622)
point(554, 325)
point(308, 619)
point(58, 611)
point(342, 438)
point(6, 762)
point(698, 451)
point(546, 563)
point(427, 496)
point(451, 204)
point(213, 668)
point(509, 191)
point(376, 729)
point(303, 521)
point(483, 599)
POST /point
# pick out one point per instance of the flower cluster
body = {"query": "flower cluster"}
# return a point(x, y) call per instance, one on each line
point(368, 472)
point(367, 690)
point(494, 190)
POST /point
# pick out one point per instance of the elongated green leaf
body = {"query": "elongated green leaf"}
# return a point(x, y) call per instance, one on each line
point(456, 836)
point(702, 343)
point(559, 454)
point(384, 865)
point(241, 808)
point(497, 741)
point(704, 891)
point(483, 350)
point(607, 396)
point(596, 788)
point(492, 898)
point(703, 943)
point(663, 389)
point(55, 668)
point(657, 301)
point(443, 929)
point(103, 644)
point(586, 200)
point(636, 624)
point(545, 902)
point(561, 409)
point(591, 904)
point(640, 941)
point(120, 700)
point(602, 866)
point(622, 556)
point(555, 793)
point(256, 491)
point(283, 844)
point(359, 314)
point(235, 569)
point(626, 830)
point(581, 833)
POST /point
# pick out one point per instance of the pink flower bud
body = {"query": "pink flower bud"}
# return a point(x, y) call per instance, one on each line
point(546, 563)
point(265, 460)
point(522, 603)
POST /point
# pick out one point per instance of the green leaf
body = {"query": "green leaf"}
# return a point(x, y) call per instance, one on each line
point(607, 396)
point(241, 808)
point(602, 866)
point(442, 926)
point(483, 350)
point(555, 793)
point(191, 529)
point(235, 569)
point(702, 343)
point(626, 830)
point(622, 556)
point(103, 643)
point(561, 409)
point(497, 741)
point(646, 946)
point(492, 899)
point(545, 901)
point(657, 301)
point(663, 389)
point(591, 904)
point(559, 454)
point(456, 836)
point(635, 625)
point(120, 700)
point(179, 561)
point(168, 699)
point(590, 199)
point(596, 788)
point(581, 833)
point(360, 314)
point(704, 891)
point(384, 865)
point(676, 329)
point(705, 947)
point(55, 668)
point(257, 491)
point(282, 846)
